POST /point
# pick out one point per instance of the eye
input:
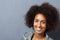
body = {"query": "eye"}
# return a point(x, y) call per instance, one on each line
point(35, 20)
point(43, 22)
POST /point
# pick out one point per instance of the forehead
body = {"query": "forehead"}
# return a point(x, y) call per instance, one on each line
point(40, 16)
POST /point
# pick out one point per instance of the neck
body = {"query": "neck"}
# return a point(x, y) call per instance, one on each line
point(40, 36)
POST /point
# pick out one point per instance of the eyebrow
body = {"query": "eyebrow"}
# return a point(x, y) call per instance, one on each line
point(37, 19)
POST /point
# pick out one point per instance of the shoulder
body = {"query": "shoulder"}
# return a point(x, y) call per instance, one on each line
point(48, 37)
point(27, 35)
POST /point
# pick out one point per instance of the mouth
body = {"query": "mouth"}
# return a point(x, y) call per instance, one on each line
point(39, 29)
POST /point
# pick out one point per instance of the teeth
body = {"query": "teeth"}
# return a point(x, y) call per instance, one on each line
point(38, 28)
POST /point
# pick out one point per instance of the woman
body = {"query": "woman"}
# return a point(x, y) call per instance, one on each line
point(42, 19)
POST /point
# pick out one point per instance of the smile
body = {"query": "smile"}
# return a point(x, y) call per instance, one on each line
point(38, 29)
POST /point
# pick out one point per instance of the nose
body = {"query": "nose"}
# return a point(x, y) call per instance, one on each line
point(39, 24)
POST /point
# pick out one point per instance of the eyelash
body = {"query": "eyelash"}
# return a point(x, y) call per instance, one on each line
point(36, 20)
point(42, 21)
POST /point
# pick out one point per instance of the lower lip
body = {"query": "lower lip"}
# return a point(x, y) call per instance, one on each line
point(39, 29)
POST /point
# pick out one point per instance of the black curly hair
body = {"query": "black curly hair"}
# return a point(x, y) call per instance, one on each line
point(49, 11)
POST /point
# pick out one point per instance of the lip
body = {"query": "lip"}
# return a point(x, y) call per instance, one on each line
point(39, 29)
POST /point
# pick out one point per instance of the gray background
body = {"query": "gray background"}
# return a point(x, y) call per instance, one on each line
point(12, 13)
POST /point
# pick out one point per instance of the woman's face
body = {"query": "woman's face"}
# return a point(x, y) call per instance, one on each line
point(39, 23)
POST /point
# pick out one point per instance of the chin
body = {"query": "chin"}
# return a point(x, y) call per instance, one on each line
point(39, 32)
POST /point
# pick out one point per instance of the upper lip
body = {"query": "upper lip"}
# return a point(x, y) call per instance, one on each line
point(38, 28)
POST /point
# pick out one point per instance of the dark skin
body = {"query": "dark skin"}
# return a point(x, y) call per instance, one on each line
point(39, 27)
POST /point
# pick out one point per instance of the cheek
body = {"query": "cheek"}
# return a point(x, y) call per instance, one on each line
point(35, 24)
point(44, 25)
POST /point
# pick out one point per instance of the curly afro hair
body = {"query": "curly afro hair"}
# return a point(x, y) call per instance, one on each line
point(49, 11)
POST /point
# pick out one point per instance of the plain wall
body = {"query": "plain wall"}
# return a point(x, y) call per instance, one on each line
point(12, 13)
